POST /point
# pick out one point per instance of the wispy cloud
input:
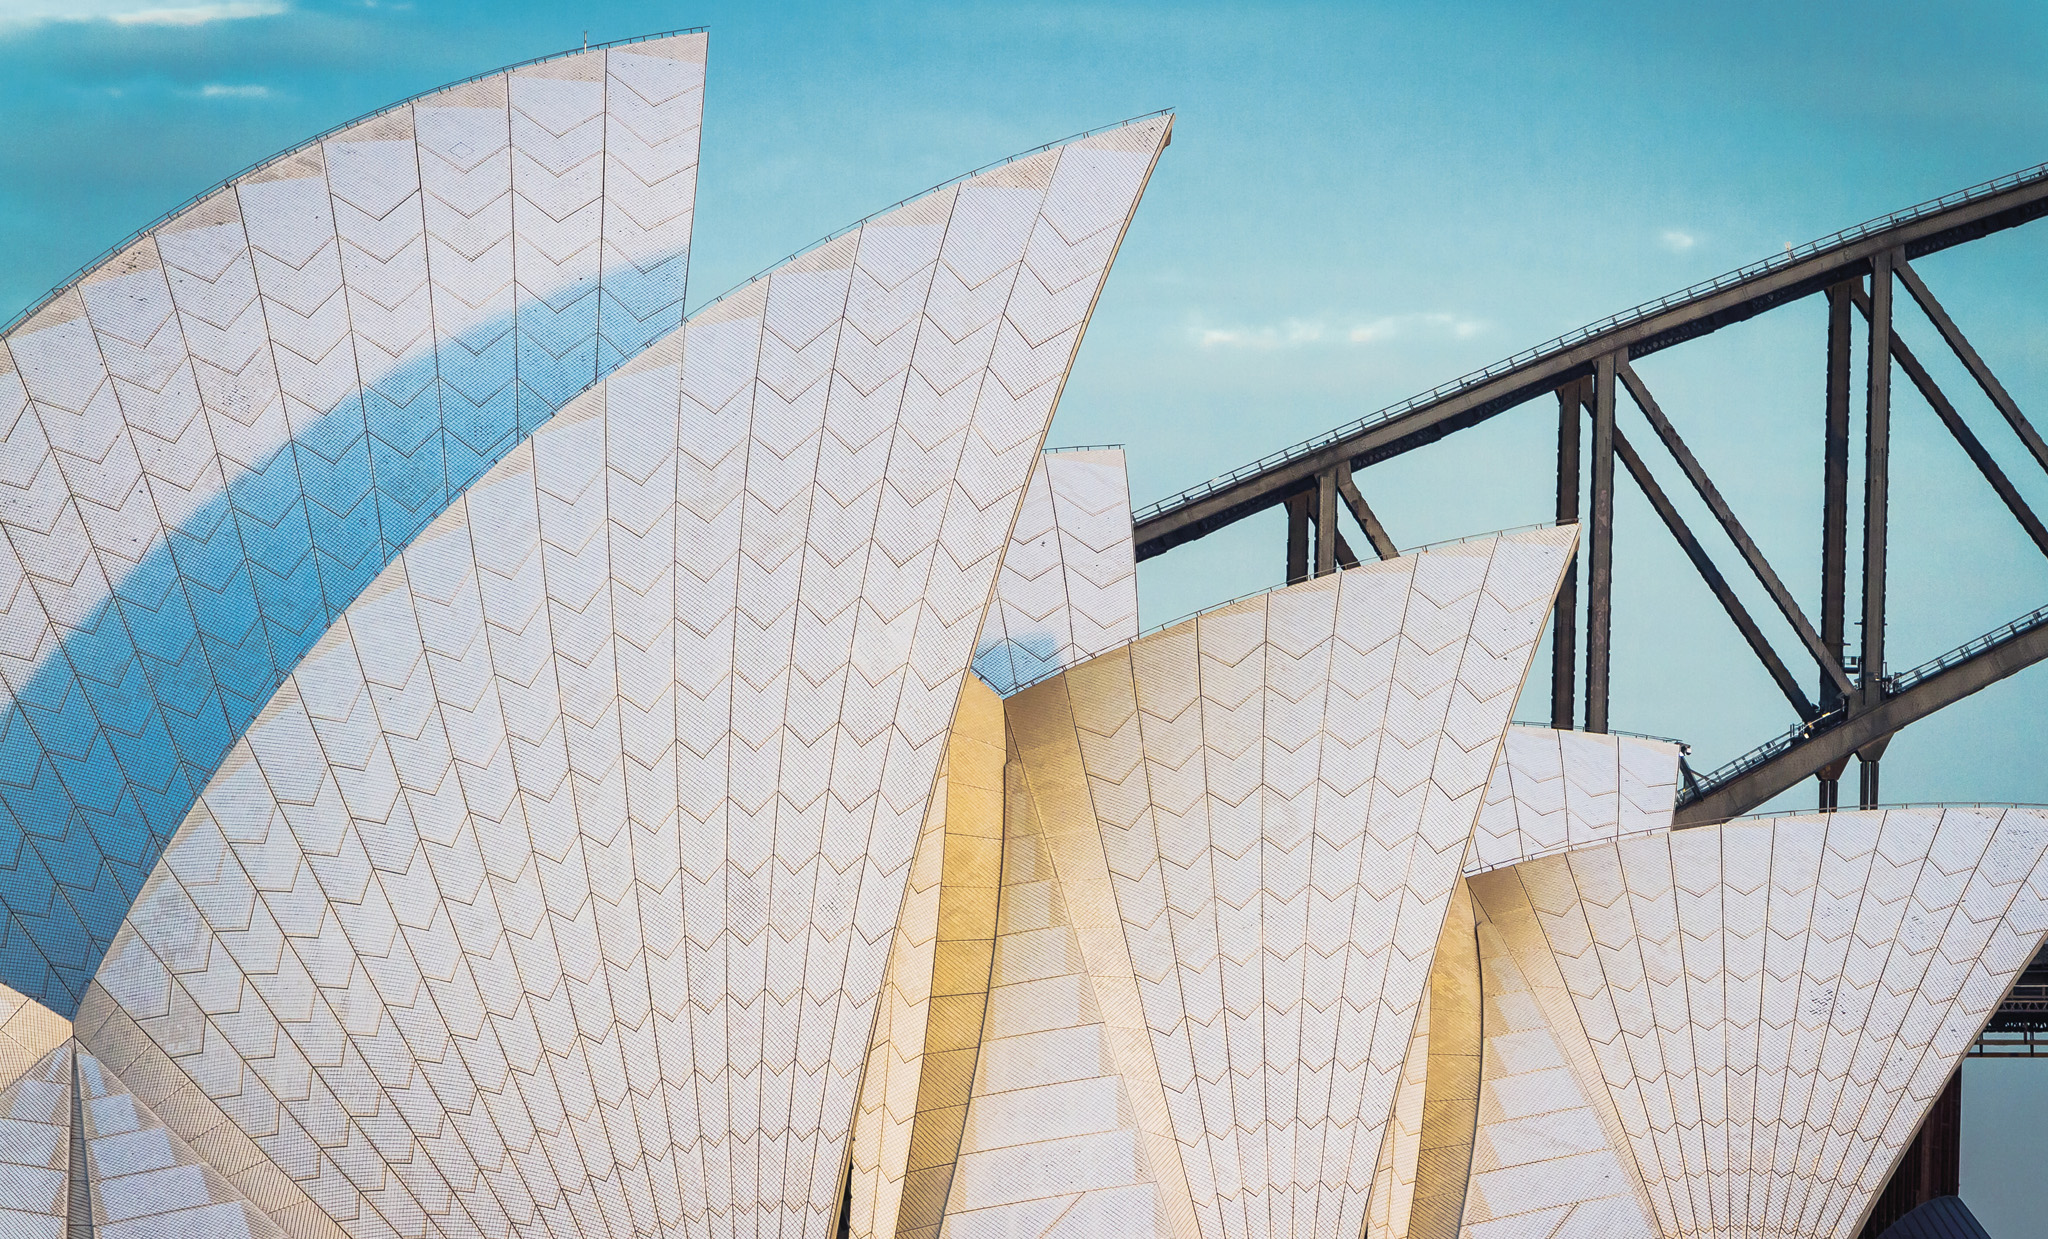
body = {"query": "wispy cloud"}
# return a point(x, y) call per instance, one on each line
point(1678, 242)
point(1310, 332)
point(1454, 326)
point(218, 90)
point(1293, 333)
point(18, 14)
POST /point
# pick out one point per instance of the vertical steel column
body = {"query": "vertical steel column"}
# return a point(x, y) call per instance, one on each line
point(1326, 522)
point(1600, 547)
point(1564, 619)
point(1297, 538)
point(1375, 533)
point(1834, 518)
point(1876, 492)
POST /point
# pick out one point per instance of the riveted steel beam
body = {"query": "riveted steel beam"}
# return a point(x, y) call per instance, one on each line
point(1326, 522)
point(1973, 363)
point(1877, 438)
point(1704, 565)
point(1837, 742)
point(1375, 533)
point(1297, 537)
point(1564, 621)
point(1600, 549)
point(1966, 438)
point(1834, 521)
point(1468, 402)
point(1711, 495)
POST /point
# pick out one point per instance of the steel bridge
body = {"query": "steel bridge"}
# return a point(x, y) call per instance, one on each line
point(1856, 705)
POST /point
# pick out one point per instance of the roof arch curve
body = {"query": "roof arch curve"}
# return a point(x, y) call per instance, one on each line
point(563, 869)
point(216, 437)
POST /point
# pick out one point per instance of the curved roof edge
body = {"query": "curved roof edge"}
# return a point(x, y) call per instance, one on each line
point(828, 238)
point(899, 636)
point(1406, 551)
point(1198, 613)
point(1944, 1217)
point(117, 248)
point(1544, 725)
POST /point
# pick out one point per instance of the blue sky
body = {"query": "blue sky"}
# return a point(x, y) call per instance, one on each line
point(1360, 202)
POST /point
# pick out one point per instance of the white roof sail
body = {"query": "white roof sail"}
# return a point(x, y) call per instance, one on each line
point(1259, 816)
point(551, 894)
point(1069, 585)
point(1770, 1006)
point(219, 436)
point(1557, 789)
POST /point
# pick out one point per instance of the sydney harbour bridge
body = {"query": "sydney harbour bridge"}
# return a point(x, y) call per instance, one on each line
point(1846, 700)
point(400, 912)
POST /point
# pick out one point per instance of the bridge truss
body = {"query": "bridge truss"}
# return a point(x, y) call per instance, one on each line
point(1857, 705)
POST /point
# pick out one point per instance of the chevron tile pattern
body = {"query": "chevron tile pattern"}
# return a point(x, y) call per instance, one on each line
point(1452, 1077)
point(125, 1049)
point(1558, 789)
point(1069, 585)
point(1550, 1157)
point(929, 1032)
point(1773, 1005)
point(1391, 1206)
point(28, 1032)
point(1283, 790)
point(484, 756)
point(41, 1194)
point(892, 1088)
point(212, 442)
point(35, 1143)
point(1067, 1115)
point(552, 892)
point(145, 1183)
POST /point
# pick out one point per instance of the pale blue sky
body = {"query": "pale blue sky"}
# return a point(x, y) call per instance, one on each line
point(1361, 201)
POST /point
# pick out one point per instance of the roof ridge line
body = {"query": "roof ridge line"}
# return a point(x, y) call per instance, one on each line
point(828, 238)
point(108, 254)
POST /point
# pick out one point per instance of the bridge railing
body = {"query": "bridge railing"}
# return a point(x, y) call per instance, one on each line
point(1727, 279)
point(1925, 671)
point(1894, 684)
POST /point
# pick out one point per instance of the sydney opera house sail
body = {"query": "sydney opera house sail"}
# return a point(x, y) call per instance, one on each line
point(216, 439)
point(1069, 585)
point(488, 754)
